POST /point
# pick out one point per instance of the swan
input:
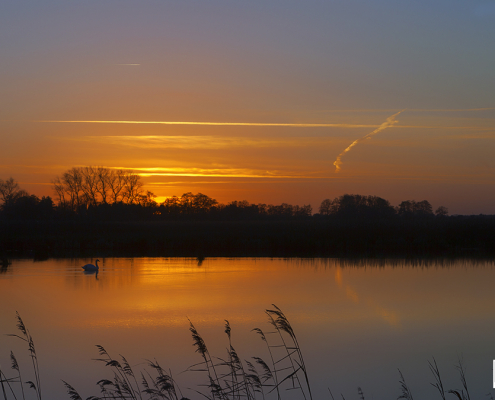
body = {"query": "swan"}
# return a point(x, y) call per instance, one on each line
point(91, 267)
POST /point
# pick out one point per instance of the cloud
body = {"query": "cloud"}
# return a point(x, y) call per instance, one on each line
point(490, 135)
point(390, 121)
point(214, 172)
point(203, 142)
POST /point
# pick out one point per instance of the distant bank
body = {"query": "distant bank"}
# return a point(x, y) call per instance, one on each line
point(316, 236)
point(99, 212)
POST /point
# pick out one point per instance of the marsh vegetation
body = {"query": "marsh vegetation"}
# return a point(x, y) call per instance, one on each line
point(282, 376)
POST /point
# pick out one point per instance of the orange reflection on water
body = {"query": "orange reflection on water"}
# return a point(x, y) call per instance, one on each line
point(389, 316)
point(346, 314)
point(160, 291)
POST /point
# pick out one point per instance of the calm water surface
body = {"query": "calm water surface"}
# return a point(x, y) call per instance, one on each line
point(357, 321)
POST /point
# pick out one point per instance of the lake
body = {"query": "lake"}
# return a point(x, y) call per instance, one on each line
point(357, 321)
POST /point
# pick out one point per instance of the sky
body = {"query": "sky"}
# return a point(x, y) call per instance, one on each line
point(266, 101)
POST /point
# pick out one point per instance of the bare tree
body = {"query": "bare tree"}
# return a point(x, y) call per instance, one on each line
point(61, 194)
point(203, 202)
point(415, 208)
point(85, 186)
point(68, 189)
point(133, 188)
point(356, 205)
point(148, 199)
point(328, 207)
point(116, 184)
point(442, 211)
point(90, 184)
point(10, 191)
point(103, 187)
point(190, 203)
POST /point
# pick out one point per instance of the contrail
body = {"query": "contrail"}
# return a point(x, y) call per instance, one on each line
point(391, 121)
point(267, 124)
point(221, 123)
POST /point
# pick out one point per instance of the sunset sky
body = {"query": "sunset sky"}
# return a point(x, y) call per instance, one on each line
point(255, 100)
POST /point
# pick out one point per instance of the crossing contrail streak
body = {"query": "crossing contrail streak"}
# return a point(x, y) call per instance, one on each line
point(391, 121)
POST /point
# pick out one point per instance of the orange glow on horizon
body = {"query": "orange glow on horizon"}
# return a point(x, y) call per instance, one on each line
point(271, 163)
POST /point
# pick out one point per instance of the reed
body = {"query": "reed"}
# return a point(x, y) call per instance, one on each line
point(406, 392)
point(26, 337)
point(438, 380)
point(227, 378)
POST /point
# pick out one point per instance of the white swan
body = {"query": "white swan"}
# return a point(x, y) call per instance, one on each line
point(91, 267)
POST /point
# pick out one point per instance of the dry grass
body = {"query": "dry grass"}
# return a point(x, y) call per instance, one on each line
point(227, 378)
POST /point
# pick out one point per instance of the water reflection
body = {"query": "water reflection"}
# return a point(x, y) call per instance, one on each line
point(95, 273)
point(4, 264)
point(389, 316)
point(357, 320)
point(393, 262)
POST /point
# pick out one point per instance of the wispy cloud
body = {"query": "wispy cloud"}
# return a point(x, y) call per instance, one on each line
point(133, 65)
point(388, 123)
point(203, 142)
point(215, 172)
point(489, 135)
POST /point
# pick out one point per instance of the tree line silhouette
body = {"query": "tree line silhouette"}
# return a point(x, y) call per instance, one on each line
point(104, 211)
point(105, 193)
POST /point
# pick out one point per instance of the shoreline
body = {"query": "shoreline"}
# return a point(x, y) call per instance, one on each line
point(312, 237)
